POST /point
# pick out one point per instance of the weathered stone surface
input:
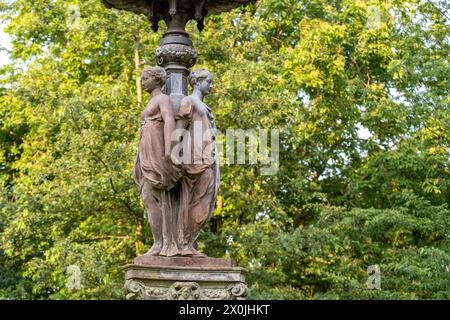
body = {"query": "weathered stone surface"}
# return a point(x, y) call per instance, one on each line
point(142, 6)
point(195, 281)
point(176, 53)
point(158, 261)
point(170, 10)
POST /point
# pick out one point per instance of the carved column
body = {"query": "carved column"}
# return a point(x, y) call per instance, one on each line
point(177, 55)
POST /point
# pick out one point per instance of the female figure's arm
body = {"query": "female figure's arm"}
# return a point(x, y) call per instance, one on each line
point(169, 124)
point(184, 114)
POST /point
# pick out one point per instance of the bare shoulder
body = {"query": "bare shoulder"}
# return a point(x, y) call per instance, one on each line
point(163, 101)
point(163, 98)
point(187, 100)
point(186, 106)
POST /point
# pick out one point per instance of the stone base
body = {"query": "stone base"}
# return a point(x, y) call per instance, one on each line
point(184, 278)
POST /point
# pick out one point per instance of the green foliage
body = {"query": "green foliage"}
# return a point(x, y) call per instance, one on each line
point(319, 71)
point(328, 259)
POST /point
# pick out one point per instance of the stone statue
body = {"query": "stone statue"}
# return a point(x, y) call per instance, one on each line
point(178, 192)
point(200, 181)
point(179, 189)
point(154, 172)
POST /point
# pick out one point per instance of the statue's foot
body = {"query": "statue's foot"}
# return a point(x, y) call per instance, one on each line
point(190, 251)
point(187, 252)
point(164, 251)
point(155, 250)
point(170, 250)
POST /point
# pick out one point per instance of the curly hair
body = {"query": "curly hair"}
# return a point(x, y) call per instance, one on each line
point(197, 75)
point(158, 73)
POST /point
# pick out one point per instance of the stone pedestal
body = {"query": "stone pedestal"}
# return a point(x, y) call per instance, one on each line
point(184, 278)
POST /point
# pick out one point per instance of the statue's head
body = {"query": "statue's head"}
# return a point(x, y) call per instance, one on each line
point(153, 77)
point(201, 79)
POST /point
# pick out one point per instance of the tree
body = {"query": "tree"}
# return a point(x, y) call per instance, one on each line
point(319, 71)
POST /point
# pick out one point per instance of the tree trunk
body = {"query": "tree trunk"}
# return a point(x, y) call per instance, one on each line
point(137, 64)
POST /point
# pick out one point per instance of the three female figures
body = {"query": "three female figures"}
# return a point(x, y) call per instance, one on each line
point(176, 168)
